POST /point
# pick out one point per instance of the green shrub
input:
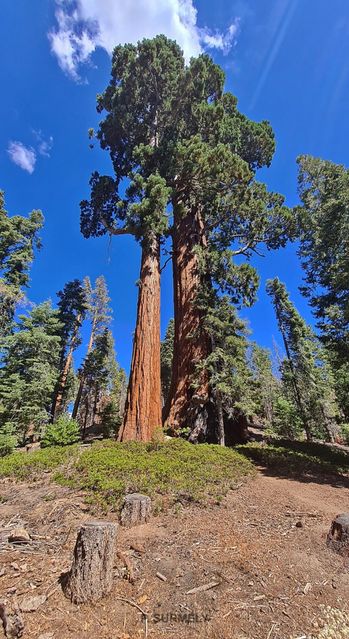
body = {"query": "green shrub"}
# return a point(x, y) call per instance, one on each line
point(168, 471)
point(22, 465)
point(63, 432)
point(297, 458)
point(7, 444)
point(286, 422)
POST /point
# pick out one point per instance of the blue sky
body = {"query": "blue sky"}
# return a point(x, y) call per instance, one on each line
point(286, 60)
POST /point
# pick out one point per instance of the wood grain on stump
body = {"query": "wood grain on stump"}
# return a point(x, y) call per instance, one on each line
point(91, 574)
point(338, 537)
point(136, 510)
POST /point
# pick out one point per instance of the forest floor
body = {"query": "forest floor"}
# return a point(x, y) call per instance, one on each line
point(264, 546)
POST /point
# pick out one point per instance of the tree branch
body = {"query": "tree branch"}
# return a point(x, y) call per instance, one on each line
point(114, 231)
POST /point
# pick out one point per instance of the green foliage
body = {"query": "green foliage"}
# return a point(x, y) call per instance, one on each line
point(266, 387)
point(166, 356)
point(227, 365)
point(21, 465)
point(300, 459)
point(324, 229)
point(63, 432)
point(29, 371)
point(306, 375)
point(174, 470)
point(7, 444)
point(286, 420)
point(18, 240)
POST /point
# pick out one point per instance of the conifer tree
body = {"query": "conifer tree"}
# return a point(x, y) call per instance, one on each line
point(306, 369)
point(136, 103)
point(29, 371)
point(72, 308)
point(266, 386)
point(18, 240)
point(324, 249)
point(172, 125)
point(99, 314)
point(100, 383)
point(166, 360)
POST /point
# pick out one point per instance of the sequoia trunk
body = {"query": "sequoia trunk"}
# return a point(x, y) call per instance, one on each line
point(143, 402)
point(187, 405)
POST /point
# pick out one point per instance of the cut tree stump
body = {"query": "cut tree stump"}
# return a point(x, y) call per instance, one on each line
point(136, 510)
point(338, 537)
point(91, 574)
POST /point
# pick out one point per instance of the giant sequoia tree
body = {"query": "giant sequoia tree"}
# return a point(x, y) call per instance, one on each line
point(136, 103)
point(18, 239)
point(182, 142)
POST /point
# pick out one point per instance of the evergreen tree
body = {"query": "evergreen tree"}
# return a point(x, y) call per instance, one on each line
point(324, 231)
point(266, 387)
point(18, 239)
point(99, 314)
point(306, 371)
point(172, 126)
point(136, 103)
point(102, 386)
point(166, 360)
point(72, 308)
point(29, 371)
point(232, 403)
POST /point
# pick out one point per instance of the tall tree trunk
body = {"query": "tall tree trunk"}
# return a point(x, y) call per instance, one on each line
point(297, 393)
point(143, 401)
point(82, 378)
point(187, 405)
point(62, 382)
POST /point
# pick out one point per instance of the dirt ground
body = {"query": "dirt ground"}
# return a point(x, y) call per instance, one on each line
point(264, 547)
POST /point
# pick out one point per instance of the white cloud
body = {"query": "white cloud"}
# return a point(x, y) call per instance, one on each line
point(44, 146)
point(24, 157)
point(84, 25)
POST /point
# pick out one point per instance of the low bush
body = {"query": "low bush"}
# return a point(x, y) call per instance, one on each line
point(7, 444)
point(296, 457)
point(63, 432)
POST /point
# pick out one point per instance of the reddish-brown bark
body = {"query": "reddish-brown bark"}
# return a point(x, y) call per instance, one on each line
point(143, 402)
point(186, 404)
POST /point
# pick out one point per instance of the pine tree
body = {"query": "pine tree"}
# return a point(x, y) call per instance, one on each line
point(306, 370)
point(18, 240)
point(29, 371)
point(324, 248)
point(166, 356)
point(101, 385)
point(226, 365)
point(99, 314)
point(72, 308)
point(266, 387)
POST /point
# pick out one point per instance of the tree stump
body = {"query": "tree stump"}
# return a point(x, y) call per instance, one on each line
point(338, 537)
point(136, 510)
point(91, 574)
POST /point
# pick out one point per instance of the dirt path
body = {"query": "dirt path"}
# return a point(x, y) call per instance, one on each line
point(264, 546)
